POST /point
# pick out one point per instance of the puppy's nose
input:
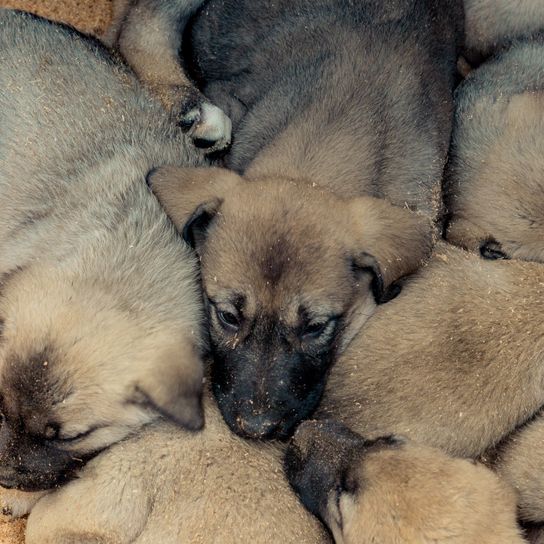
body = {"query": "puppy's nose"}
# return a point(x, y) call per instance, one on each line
point(257, 426)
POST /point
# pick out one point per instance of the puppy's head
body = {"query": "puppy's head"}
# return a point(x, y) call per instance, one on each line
point(80, 371)
point(290, 274)
point(393, 490)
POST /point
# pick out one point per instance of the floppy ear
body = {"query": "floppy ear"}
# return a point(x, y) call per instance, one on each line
point(464, 233)
point(172, 386)
point(191, 197)
point(392, 242)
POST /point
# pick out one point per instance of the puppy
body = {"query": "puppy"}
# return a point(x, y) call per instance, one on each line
point(148, 34)
point(290, 274)
point(395, 491)
point(495, 191)
point(168, 485)
point(491, 23)
point(456, 361)
point(289, 75)
point(99, 305)
point(519, 462)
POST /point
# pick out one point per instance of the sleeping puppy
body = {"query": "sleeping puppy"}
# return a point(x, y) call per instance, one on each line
point(168, 485)
point(290, 274)
point(395, 491)
point(99, 302)
point(148, 34)
point(492, 23)
point(495, 187)
point(289, 75)
point(519, 461)
point(456, 361)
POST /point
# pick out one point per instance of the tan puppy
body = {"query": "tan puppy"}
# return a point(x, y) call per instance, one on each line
point(490, 23)
point(290, 274)
point(99, 305)
point(168, 486)
point(393, 491)
point(455, 361)
point(495, 187)
point(520, 462)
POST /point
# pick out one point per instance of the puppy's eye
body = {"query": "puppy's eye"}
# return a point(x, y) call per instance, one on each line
point(66, 439)
point(228, 320)
point(348, 484)
point(316, 329)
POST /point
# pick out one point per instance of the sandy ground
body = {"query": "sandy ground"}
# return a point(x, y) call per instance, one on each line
point(90, 16)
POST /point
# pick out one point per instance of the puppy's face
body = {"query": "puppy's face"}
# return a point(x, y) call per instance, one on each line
point(393, 490)
point(78, 374)
point(323, 465)
point(290, 274)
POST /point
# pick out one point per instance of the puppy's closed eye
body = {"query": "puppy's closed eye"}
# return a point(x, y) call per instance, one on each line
point(492, 250)
point(319, 329)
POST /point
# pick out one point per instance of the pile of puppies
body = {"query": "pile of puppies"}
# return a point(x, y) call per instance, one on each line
point(168, 320)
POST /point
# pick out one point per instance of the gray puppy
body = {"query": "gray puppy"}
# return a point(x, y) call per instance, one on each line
point(99, 305)
point(495, 188)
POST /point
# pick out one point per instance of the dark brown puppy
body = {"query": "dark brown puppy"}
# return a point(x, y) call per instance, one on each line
point(395, 491)
point(355, 96)
point(495, 185)
point(290, 274)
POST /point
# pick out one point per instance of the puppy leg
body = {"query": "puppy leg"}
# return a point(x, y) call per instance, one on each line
point(520, 461)
point(16, 504)
point(150, 40)
point(101, 507)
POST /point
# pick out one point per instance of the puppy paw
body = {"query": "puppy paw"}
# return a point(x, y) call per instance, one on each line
point(16, 504)
point(210, 128)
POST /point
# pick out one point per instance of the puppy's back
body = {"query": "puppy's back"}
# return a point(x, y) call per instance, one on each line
point(490, 23)
point(495, 190)
point(432, 498)
point(444, 362)
point(168, 486)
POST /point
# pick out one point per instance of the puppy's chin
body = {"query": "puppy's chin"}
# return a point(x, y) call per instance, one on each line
point(33, 480)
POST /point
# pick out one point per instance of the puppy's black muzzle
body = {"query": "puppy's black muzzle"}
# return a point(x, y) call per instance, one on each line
point(31, 463)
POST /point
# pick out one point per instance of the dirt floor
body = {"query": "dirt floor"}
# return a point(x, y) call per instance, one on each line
point(90, 16)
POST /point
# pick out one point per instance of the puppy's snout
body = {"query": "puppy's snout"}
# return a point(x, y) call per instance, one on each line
point(257, 426)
